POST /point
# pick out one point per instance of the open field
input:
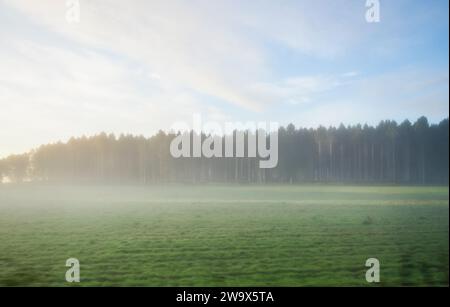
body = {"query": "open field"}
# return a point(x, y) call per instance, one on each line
point(224, 235)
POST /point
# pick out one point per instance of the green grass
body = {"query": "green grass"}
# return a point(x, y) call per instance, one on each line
point(224, 235)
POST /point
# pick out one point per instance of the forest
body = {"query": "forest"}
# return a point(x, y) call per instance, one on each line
point(390, 153)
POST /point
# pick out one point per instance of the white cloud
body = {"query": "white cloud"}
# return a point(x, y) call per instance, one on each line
point(399, 95)
point(350, 74)
point(297, 90)
point(214, 49)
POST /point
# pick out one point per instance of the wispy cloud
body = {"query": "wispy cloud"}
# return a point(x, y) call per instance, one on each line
point(218, 54)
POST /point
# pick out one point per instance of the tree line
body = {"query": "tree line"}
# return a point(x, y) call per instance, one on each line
point(390, 153)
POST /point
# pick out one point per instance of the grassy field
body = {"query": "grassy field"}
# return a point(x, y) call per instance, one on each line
point(224, 235)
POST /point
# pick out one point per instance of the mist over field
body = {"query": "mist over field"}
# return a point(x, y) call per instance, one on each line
point(176, 235)
point(224, 143)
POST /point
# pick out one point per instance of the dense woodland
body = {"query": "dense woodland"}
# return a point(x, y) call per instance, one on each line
point(409, 153)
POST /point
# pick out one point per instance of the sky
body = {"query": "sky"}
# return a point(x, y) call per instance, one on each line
point(139, 66)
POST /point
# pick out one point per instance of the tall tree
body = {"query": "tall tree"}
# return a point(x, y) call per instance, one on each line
point(388, 153)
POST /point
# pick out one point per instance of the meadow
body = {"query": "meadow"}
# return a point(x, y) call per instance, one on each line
point(217, 235)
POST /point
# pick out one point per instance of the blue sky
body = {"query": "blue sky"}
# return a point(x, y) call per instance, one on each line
point(139, 66)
